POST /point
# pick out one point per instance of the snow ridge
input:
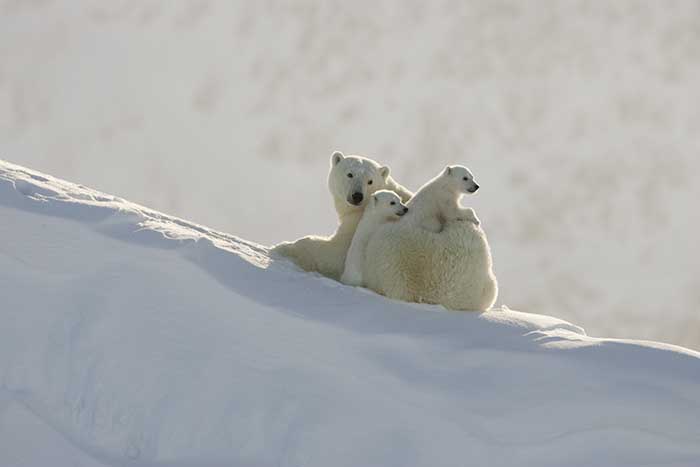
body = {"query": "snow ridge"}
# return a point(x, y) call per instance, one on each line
point(130, 337)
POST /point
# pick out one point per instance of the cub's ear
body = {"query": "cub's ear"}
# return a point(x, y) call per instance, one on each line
point(336, 158)
point(448, 170)
point(384, 172)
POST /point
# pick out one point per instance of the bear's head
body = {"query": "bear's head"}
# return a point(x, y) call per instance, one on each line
point(353, 179)
point(459, 179)
point(385, 205)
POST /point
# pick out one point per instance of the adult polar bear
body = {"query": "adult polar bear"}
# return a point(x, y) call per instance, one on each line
point(452, 268)
point(352, 180)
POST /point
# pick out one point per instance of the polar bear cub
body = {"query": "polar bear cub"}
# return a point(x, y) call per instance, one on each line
point(384, 206)
point(437, 202)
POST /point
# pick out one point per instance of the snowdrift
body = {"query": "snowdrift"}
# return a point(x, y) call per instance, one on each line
point(128, 337)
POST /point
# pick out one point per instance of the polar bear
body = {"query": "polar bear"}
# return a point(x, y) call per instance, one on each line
point(385, 206)
point(437, 253)
point(437, 202)
point(452, 268)
point(351, 181)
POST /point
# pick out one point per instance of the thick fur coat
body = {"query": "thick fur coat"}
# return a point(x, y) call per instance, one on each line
point(385, 206)
point(452, 268)
point(326, 255)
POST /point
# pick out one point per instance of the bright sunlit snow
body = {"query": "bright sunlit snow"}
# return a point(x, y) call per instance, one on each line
point(580, 119)
point(129, 337)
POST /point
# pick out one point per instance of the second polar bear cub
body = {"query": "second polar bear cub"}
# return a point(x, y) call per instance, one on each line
point(385, 206)
point(437, 202)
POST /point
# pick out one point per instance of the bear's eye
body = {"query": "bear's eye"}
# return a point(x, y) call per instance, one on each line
point(349, 175)
point(466, 179)
point(369, 183)
point(393, 203)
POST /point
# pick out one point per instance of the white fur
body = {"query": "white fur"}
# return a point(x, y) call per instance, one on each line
point(437, 253)
point(384, 206)
point(452, 268)
point(437, 202)
point(326, 255)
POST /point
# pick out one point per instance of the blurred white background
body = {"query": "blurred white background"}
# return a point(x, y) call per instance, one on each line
point(580, 119)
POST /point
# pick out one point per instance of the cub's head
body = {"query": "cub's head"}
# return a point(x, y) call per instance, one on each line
point(386, 205)
point(353, 179)
point(460, 179)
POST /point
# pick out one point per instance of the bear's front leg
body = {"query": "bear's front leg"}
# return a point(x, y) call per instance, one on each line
point(303, 252)
point(468, 215)
point(462, 215)
point(352, 277)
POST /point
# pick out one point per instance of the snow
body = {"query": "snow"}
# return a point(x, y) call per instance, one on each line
point(130, 337)
point(580, 119)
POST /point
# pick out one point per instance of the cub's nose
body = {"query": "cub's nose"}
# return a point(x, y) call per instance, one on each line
point(473, 189)
point(357, 198)
point(405, 210)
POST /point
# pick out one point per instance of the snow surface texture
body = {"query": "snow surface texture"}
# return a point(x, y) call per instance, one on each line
point(581, 119)
point(129, 337)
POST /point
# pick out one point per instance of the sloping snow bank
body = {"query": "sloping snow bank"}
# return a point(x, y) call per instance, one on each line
point(129, 337)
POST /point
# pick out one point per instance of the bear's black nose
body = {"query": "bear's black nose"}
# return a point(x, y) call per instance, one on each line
point(474, 188)
point(405, 210)
point(357, 198)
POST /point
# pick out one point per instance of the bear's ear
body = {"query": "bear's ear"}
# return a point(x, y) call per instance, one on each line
point(336, 158)
point(448, 170)
point(384, 172)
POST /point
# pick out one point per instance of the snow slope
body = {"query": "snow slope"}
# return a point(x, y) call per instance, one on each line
point(581, 120)
point(130, 337)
